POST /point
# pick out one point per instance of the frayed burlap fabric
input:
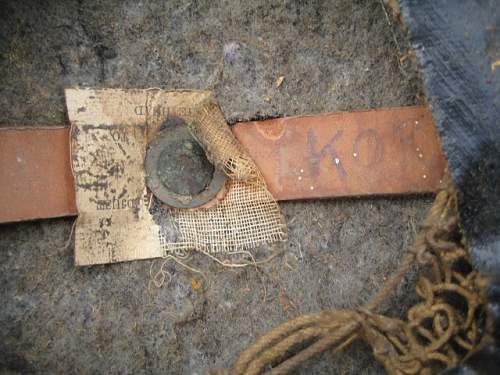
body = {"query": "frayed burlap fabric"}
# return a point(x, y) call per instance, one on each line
point(247, 215)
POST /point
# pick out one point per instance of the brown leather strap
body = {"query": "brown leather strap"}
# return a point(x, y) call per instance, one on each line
point(377, 152)
point(35, 174)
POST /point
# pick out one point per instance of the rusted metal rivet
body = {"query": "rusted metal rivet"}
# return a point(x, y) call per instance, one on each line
point(177, 169)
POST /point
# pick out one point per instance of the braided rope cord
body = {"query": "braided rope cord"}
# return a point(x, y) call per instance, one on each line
point(438, 332)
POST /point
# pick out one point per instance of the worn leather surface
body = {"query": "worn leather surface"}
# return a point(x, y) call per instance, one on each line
point(389, 151)
point(35, 174)
point(377, 152)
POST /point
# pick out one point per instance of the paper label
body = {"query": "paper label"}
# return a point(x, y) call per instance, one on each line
point(109, 134)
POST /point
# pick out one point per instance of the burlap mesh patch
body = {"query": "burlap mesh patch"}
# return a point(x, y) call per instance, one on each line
point(247, 216)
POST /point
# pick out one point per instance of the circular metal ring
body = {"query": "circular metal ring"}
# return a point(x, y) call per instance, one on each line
point(177, 169)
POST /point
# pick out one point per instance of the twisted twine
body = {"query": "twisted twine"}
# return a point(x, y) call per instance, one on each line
point(439, 330)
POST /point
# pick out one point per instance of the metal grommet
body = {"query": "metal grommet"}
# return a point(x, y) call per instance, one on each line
point(177, 169)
